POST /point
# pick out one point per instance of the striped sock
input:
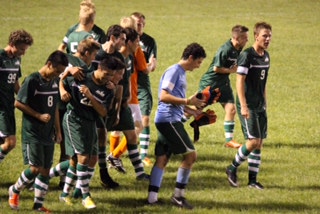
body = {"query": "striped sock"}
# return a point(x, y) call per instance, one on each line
point(40, 190)
point(135, 159)
point(144, 138)
point(82, 174)
point(240, 157)
point(25, 178)
point(71, 178)
point(228, 130)
point(254, 162)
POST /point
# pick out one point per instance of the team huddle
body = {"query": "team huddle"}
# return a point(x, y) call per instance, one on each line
point(98, 82)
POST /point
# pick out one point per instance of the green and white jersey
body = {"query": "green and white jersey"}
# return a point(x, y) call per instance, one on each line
point(97, 33)
point(74, 62)
point(125, 82)
point(256, 68)
point(81, 106)
point(42, 96)
point(75, 38)
point(149, 48)
point(10, 72)
point(77, 62)
point(226, 57)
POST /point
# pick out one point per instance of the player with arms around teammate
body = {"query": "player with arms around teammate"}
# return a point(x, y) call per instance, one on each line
point(10, 72)
point(88, 100)
point(252, 73)
point(223, 64)
point(38, 99)
point(172, 136)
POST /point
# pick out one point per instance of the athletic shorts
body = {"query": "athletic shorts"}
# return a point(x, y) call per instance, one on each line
point(80, 135)
point(126, 120)
point(37, 154)
point(145, 96)
point(7, 124)
point(136, 113)
point(256, 126)
point(172, 139)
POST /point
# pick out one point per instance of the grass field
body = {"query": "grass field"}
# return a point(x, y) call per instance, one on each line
point(290, 158)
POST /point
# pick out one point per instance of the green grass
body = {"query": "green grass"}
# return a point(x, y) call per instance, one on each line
point(290, 160)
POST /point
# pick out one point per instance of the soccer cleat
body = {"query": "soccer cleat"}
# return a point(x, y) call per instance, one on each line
point(116, 163)
point(156, 203)
point(181, 202)
point(42, 210)
point(147, 162)
point(109, 184)
point(88, 203)
point(143, 177)
point(13, 199)
point(232, 177)
point(256, 185)
point(67, 200)
point(233, 144)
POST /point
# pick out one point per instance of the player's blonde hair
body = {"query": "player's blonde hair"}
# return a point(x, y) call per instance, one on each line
point(128, 22)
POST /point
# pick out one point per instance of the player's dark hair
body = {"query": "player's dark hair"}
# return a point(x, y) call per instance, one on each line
point(259, 26)
point(110, 63)
point(114, 30)
point(58, 58)
point(131, 34)
point(20, 37)
point(194, 49)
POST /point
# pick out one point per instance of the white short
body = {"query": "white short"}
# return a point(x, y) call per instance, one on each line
point(136, 112)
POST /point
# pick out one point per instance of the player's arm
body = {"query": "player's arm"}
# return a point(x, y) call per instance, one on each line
point(26, 109)
point(222, 70)
point(166, 97)
point(240, 86)
point(64, 94)
point(57, 126)
point(16, 87)
point(100, 109)
point(62, 47)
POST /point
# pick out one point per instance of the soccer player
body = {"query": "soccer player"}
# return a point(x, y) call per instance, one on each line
point(149, 47)
point(38, 99)
point(88, 100)
point(116, 37)
point(79, 64)
point(252, 73)
point(126, 123)
point(172, 136)
point(117, 147)
point(10, 72)
point(223, 64)
point(96, 32)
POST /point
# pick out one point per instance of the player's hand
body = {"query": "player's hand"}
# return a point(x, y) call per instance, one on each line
point(58, 138)
point(199, 103)
point(77, 73)
point(64, 95)
point(245, 112)
point(84, 90)
point(110, 85)
point(45, 118)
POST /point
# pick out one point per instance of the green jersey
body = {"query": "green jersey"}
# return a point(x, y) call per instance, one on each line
point(226, 57)
point(96, 32)
point(256, 68)
point(149, 48)
point(75, 38)
point(80, 105)
point(10, 72)
point(42, 96)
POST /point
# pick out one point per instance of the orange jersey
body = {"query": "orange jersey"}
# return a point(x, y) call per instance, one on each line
point(140, 65)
